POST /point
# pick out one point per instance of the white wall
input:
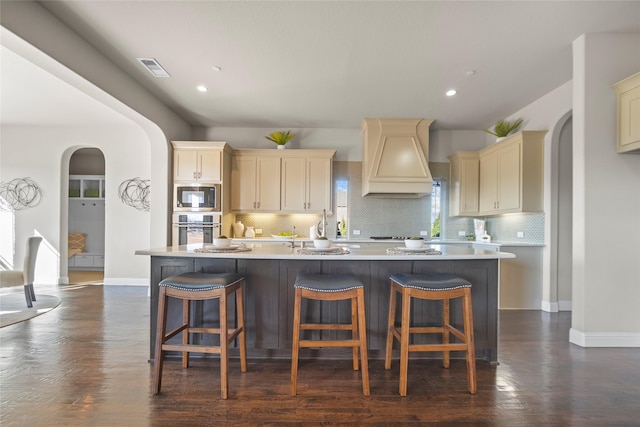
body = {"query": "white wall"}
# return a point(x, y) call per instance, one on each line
point(32, 32)
point(544, 114)
point(443, 143)
point(42, 153)
point(347, 142)
point(606, 198)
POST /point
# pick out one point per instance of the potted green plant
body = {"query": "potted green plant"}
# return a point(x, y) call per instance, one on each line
point(504, 128)
point(281, 137)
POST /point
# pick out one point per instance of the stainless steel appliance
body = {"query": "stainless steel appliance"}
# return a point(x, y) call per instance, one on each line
point(195, 227)
point(197, 198)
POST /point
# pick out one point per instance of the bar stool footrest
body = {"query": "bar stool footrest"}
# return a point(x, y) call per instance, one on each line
point(328, 343)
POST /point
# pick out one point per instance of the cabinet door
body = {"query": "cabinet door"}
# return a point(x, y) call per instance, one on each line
point(98, 260)
point(243, 183)
point(318, 184)
point(628, 92)
point(469, 173)
point(209, 165)
point(509, 184)
point(488, 182)
point(83, 260)
point(463, 191)
point(294, 194)
point(268, 184)
point(185, 165)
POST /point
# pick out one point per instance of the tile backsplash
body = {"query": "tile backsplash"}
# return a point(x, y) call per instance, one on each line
point(400, 217)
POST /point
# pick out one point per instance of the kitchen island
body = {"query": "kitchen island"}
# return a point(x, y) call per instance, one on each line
point(271, 268)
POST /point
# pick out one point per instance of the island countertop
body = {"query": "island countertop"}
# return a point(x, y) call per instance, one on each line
point(270, 270)
point(350, 251)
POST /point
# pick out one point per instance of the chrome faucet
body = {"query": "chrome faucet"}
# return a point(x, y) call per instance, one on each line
point(322, 225)
point(293, 237)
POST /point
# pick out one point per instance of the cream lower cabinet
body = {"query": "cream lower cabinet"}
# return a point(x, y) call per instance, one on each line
point(464, 174)
point(255, 183)
point(628, 93)
point(306, 184)
point(511, 174)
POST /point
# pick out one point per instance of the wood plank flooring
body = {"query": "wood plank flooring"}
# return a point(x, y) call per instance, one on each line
point(85, 364)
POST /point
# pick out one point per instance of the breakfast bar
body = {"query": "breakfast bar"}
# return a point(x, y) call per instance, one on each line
point(270, 269)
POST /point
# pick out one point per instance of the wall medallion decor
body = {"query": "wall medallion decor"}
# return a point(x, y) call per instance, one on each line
point(18, 194)
point(135, 192)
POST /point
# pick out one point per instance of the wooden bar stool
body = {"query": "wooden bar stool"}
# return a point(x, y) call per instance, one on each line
point(198, 287)
point(331, 287)
point(431, 286)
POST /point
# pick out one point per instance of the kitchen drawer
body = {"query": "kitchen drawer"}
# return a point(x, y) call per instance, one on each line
point(98, 260)
point(86, 261)
point(83, 260)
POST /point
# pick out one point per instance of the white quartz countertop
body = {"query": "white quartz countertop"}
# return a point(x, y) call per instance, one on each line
point(351, 251)
point(495, 244)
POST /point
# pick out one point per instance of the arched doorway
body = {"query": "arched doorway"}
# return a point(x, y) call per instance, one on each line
point(561, 215)
point(86, 215)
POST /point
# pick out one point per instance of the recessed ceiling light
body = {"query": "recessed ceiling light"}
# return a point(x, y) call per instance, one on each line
point(202, 88)
point(451, 92)
point(470, 73)
point(216, 68)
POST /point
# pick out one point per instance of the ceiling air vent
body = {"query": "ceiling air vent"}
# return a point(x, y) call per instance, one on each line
point(154, 67)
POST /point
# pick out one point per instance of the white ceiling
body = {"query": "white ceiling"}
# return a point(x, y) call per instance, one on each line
point(329, 64)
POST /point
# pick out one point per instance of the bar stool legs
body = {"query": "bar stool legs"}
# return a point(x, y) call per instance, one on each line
point(331, 288)
point(436, 286)
point(197, 287)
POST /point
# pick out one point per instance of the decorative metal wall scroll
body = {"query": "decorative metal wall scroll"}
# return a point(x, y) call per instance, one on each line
point(134, 192)
point(18, 194)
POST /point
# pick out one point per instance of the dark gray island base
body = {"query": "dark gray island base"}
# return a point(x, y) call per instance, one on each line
point(269, 297)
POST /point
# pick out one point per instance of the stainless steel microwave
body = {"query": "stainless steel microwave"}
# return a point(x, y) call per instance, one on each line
point(197, 198)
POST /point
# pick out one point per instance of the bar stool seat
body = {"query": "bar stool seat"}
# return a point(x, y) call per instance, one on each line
point(431, 286)
point(331, 287)
point(198, 287)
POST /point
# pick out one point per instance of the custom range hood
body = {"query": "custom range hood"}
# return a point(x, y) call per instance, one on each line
point(395, 158)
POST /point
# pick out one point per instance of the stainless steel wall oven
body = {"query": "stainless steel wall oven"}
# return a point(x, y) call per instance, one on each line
point(195, 227)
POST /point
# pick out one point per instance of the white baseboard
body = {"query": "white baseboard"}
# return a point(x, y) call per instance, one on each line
point(554, 307)
point(124, 281)
point(604, 339)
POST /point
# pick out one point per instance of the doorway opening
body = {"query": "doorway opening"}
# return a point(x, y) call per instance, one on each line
point(86, 214)
point(561, 236)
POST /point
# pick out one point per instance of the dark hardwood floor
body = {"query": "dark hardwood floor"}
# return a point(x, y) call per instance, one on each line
point(85, 364)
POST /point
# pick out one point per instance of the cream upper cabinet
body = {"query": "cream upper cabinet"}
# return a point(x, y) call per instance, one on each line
point(281, 180)
point(511, 174)
point(255, 183)
point(197, 161)
point(464, 174)
point(294, 191)
point(306, 184)
point(628, 93)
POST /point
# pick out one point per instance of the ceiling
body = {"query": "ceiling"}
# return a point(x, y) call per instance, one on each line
point(329, 64)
